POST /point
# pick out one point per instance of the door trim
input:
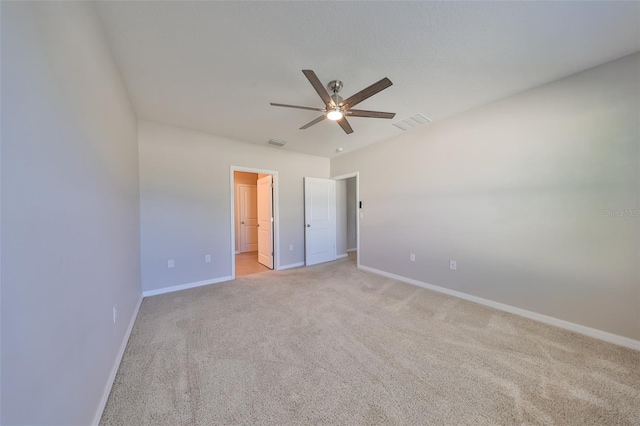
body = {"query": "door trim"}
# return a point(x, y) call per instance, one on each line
point(358, 210)
point(276, 214)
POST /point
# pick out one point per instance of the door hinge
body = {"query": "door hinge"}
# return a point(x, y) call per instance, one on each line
point(271, 253)
point(271, 220)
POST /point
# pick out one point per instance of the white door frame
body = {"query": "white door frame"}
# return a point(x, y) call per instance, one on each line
point(276, 214)
point(357, 176)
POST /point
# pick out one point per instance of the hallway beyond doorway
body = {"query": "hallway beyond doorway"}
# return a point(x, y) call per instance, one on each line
point(247, 264)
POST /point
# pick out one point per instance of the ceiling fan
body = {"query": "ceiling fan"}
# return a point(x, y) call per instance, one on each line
point(337, 109)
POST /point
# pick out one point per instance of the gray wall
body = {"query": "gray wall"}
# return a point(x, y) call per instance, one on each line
point(70, 215)
point(185, 201)
point(518, 193)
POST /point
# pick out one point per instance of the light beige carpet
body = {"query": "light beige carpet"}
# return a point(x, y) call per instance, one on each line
point(330, 344)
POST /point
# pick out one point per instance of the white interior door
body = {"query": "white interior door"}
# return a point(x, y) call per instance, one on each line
point(248, 208)
point(265, 221)
point(320, 220)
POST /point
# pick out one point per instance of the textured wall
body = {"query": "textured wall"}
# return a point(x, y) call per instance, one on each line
point(535, 196)
point(185, 201)
point(70, 213)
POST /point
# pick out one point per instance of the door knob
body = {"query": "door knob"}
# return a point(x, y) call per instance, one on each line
point(243, 223)
point(308, 226)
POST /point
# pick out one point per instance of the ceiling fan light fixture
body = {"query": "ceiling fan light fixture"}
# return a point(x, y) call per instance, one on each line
point(334, 115)
point(335, 108)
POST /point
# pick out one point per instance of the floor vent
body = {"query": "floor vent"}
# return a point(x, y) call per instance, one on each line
point(276, 143)
point(411, 122)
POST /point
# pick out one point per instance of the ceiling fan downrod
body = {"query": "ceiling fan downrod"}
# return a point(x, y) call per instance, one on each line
point(335, 86)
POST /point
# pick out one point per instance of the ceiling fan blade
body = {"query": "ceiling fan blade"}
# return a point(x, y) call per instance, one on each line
point(297, 106)
point(311, 123)
point(315, 82)
point(345, 125)
point(366, 93)
point(372, 114)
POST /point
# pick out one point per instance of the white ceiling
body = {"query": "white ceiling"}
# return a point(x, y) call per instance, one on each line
point(215, 66)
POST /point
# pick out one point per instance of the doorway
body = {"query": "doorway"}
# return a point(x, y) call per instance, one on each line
point(254, 221)
point(348, 217)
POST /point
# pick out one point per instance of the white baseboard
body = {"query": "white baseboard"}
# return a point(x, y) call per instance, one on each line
point(581, 329)
point(291, 265)
point(340, 256)
point(350, 250)
point(238, 252)
point(116, 365)
point(185, 286)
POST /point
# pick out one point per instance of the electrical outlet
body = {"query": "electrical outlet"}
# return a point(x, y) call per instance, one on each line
point(412, 257)
point(290, 247)
point(115, 314)
point(207, 258)
point(453, 265)
point(171, 263)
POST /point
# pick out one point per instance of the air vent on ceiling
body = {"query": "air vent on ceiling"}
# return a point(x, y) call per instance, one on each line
point(276, 143)
point(411, 122)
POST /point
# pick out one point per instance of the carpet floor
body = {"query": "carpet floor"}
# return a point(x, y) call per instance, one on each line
point(331, 344)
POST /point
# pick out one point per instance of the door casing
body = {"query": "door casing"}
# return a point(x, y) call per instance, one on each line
point(359, 210)
point(276, 213)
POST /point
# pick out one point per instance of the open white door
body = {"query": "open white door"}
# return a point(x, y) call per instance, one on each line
point(265, 221)
point(320, 220)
